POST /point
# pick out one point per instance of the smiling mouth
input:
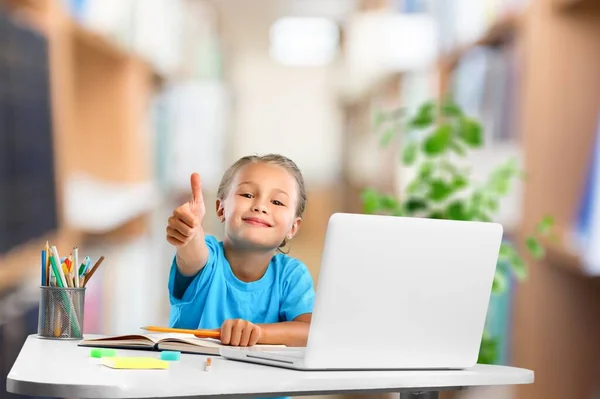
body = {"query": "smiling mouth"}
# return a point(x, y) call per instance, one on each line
point(256, 222)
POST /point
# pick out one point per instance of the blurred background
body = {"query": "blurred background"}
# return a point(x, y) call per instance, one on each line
point(108, 106)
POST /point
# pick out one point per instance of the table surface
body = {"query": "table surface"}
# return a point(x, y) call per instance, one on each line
point(62, 369)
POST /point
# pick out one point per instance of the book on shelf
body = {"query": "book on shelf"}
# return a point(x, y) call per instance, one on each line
point(585, 237)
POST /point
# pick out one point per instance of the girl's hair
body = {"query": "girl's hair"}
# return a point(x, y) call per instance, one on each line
point(273, 159)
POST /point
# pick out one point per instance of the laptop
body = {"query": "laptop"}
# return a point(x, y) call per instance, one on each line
point(395, 293)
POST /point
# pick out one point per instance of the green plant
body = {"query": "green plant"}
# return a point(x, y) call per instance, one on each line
point(435, 141)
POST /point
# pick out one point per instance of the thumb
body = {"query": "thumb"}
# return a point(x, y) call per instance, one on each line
point(196, 185)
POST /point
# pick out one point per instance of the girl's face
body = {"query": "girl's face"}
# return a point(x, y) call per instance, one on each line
point(259, 211)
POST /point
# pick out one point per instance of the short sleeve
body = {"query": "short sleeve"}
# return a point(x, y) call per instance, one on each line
point(182, 282)
point(297, 292)
point(182, 288)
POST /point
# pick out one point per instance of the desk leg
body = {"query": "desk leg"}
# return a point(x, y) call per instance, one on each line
point(420, 395)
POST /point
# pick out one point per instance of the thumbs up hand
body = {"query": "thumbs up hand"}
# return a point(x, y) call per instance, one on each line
point(186, 221)
point(197, 203)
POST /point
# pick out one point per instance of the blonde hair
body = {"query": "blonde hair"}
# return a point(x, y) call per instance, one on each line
point(272, 159)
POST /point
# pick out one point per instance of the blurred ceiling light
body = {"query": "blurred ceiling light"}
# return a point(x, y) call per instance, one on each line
point(303, 41)
point(391, 42)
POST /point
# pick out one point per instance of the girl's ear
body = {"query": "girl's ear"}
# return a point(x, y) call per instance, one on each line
point(294, 229)
point(220, 210)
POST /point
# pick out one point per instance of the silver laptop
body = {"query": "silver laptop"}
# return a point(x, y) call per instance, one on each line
point(395, 293)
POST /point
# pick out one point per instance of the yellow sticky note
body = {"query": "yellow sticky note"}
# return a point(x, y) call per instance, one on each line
point(137, 363)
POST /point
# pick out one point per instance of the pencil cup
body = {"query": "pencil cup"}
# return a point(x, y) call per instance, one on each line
point(61, 313)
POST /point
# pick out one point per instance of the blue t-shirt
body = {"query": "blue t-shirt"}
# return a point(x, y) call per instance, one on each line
point(215, 294)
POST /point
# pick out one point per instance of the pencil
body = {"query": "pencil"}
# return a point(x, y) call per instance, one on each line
point(60, 275)
point(47, 263)
point(44, 278)
point(88, 276)
point(75, 266)
point(198, 333)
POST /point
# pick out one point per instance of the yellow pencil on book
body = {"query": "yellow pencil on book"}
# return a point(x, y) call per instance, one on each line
point(198, 333)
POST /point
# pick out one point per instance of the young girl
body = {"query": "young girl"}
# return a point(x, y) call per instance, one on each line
point(241, 285)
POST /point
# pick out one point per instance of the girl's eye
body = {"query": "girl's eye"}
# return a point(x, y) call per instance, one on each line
point(278, 203)
point(246, 195)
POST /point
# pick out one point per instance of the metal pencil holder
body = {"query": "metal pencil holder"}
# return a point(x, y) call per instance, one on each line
point(61, 313)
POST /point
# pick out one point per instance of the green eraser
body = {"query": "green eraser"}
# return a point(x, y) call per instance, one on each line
point(170, 355)
point(96, 352)
point(109, 353)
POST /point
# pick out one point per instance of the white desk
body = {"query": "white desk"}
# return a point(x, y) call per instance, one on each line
point(62, 369)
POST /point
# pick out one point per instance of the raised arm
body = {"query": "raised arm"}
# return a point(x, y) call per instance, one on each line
point(185, 232)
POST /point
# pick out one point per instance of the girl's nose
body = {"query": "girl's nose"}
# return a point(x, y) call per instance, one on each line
point(259, 208)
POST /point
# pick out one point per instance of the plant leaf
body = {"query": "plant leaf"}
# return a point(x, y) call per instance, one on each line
point(425, 170)
point(500, 282)
point(388, 202)
point(409, 154)
point(471, 132)
point(451, 109)
point(506, 251)
point(387, 136)
point(457, 211)
point(370, 199)
point(476, 201)
point(456, 147)
point(449, 167)
point(488, 350)
point(500, 181)
point(511, 258)
point(439, 190)
point(545, 225)
point(482, 216)
point(492, 204)
point(424, 116)
point(379, 118)
point(415, 205)
point(536, 249)
point(398, 212)
point(502, 186)
point(438, 141)
point(437, 215)
point(414, 186)
point(518, 266)
point(459, 182)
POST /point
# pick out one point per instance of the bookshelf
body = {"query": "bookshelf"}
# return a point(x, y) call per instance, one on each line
point(100, 95)
point(556, 311)
point(555, 322)
point(567, 5)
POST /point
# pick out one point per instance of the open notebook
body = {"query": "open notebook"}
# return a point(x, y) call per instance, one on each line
point(185, 343)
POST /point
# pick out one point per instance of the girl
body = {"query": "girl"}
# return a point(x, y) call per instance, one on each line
point(241, 285)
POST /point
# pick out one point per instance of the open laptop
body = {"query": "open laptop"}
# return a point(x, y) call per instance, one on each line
point(395, 293)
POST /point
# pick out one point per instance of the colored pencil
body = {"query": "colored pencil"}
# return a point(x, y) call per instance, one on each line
point(89, 275)
point(198, 333)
